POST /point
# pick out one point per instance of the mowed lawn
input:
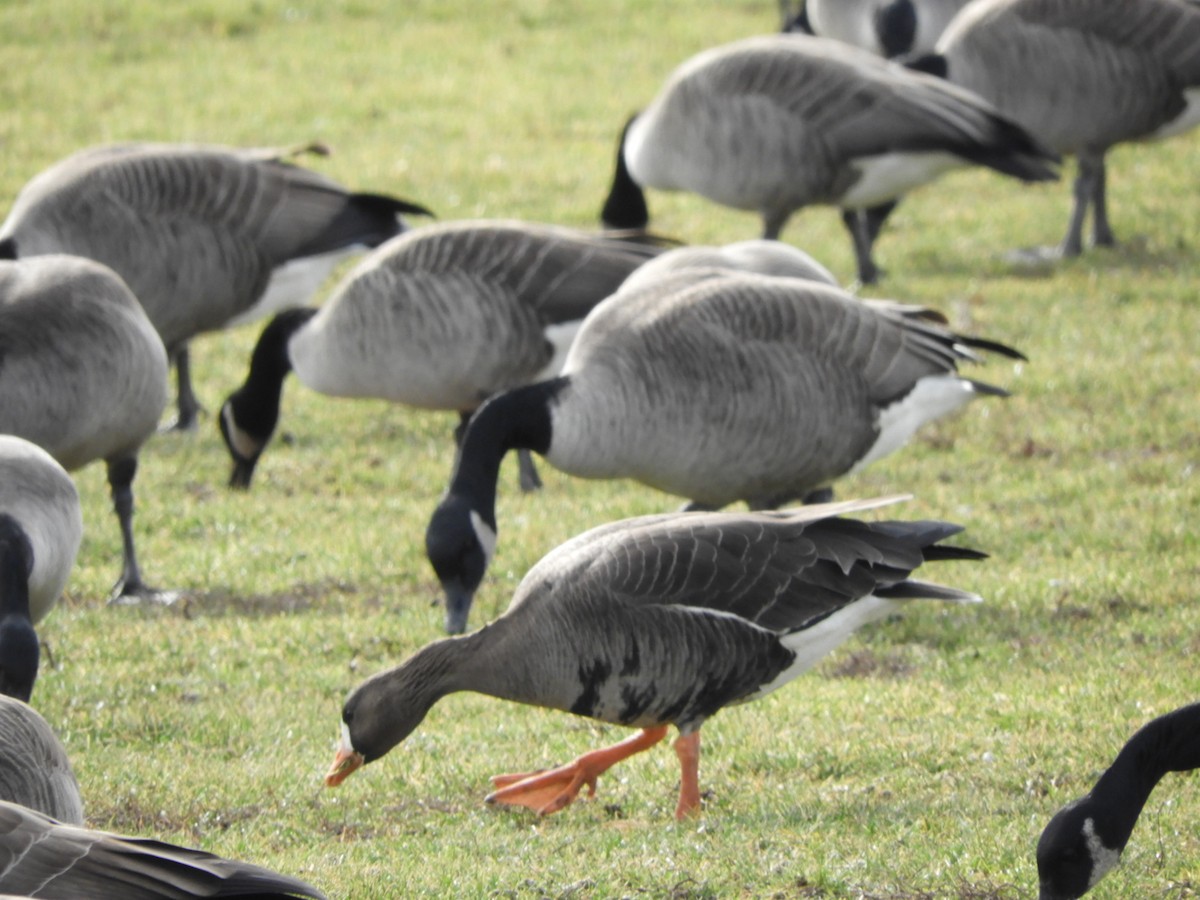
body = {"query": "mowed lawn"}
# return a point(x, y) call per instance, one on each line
point(921, 760)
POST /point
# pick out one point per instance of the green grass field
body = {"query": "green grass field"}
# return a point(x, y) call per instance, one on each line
point(921, 760)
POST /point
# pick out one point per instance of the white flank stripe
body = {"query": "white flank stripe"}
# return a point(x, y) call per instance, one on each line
point(294, 284)
point(890, 175)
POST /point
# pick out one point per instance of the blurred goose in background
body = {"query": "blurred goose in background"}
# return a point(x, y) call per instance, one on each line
point(757, 256)
point(887, 28)
point(41, 526)
point(83, 374)
point(1085, 839)
point(658, 621)
point(772, 124)
point(714, 386)
point(1120, 72)
point(439, 318)
point(205, 236)
point(34, 769)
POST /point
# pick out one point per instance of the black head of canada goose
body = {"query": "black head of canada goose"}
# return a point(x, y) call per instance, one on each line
point(1085, 839)
point(1121, 72)
point(714, 386)
point(83, 374)
point(441, 317)
point(41, 526)
point(657, 621)
point(775, 123)
point(205, 236)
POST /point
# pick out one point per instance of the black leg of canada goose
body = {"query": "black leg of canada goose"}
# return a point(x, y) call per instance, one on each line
point(130, 589)
point(188, 407)
point(858, 224)
point(876, 216)
point(1102, 235)
point(1083, 191)
point(529, 479)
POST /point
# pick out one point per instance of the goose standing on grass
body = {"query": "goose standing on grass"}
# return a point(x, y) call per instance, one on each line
point(41, 526)
point(716, 387)
point(34, 769)
point(1120, 72)
point(201, 234)
point(657, 621)
point(1086, 838)
point(83, 374)
point(439, 318)
point(772, 124)
point(888, 28)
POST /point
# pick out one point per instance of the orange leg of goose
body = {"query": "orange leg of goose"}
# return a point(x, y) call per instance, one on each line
point(551, 790)
point(687, 748)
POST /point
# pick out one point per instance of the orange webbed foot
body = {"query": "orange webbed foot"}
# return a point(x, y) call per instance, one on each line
point(544, 792)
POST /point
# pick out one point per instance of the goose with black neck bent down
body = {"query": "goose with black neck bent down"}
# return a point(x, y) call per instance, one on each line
point(1085, 839)
point(714, 386)
point(657, 621)
point(439, 318)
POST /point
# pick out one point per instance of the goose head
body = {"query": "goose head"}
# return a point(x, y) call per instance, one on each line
point(459, 542)
point(1074, 853)
point(19, 651)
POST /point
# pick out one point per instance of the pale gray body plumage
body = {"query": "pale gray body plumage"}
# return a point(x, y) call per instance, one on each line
point(37, 491)
point(854, 22)
point(83, 373)
point(34, 769)
point(759, 256)
point(1082, 76)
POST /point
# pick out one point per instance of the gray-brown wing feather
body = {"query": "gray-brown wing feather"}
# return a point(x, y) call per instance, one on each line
point(34, 769)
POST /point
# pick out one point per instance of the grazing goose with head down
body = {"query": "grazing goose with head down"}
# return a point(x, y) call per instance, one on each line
point(202, 234)
point(772, 124)
point(714, 386)
point(1086, 838)
point(1120, 72)
point(83, 374)
point(657, 621)
point(41, 526)
point(34, 769)
point(439, 318)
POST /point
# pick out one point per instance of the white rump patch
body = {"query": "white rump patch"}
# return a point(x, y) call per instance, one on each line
point(931, 398)
point(485, 535)
point(562, 336)
point(1103, 858)
point(891, 175)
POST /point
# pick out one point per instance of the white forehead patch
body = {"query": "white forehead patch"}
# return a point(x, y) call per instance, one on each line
point(1103, 858)
point(485, 535)
point(345, 744)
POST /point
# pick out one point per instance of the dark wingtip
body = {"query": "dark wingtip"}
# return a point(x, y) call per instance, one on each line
point(8, 248)
point(934, 64)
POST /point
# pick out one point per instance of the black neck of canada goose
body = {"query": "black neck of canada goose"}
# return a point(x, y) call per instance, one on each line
point(19, 650)
point(896, 27)
point(250, 414)
point(1086, 838)
point(8, 248)
point(625, 206)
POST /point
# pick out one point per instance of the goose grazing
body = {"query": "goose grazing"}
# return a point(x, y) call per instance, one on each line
point(656, 621)
point(83, 374)
point(714, 386)
point(1121, 72)
point(41, 526)
point(202, 234)
point(1085, 838)
point(439, 318)
point(888, 28)
point(34, 769)
point(760, 257)
point(775, 123)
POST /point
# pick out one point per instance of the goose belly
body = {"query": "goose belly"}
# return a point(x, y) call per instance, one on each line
point(293, 284)
point(931, 398)
point(890, 175)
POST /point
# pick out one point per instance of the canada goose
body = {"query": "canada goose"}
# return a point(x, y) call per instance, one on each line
point(1120, 71)
point(656, 621)
point(438, 318)
point(1085, 839)
point(888, 28)
point(779, 122)
point(41, 526)
point(34, 769)
point(83, 374)
point(44, 858)
point(758, 256)
point(717, 387)
point(201, 234)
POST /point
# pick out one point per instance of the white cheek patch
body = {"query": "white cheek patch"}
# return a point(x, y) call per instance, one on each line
point(1103, 858)
point(485, 535)
point(243, 444)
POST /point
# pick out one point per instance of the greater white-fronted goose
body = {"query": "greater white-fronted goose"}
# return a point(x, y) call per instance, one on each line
point(775, 123)
point(1085, 839)
point(658, 621)
point(439, 318)
point(41, 525)
point(1081, 76)
point(83, 374)
point(714, 386)
point(201, 234)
